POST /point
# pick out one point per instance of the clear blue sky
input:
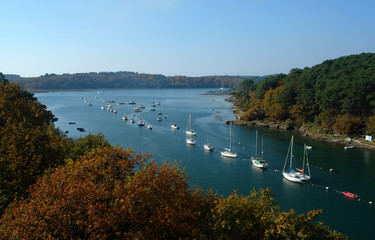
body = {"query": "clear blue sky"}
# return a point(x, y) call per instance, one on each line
point(180, 37)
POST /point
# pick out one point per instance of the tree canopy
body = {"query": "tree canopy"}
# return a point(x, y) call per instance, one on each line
point(123, 79)
point(343, 87)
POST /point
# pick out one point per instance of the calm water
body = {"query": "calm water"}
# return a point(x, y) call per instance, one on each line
point(354, 169)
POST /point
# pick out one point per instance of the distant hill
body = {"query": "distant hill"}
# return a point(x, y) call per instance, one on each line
point(12, 76)
point(123, 79)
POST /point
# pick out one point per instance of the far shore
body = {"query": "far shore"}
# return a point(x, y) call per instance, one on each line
point(357, 142)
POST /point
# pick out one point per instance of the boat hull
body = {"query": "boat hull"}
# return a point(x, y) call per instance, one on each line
point(228, 154)
point(191, 133)
point(295, 177)
point(190, 141)
point(208, 147)
point(259, 163)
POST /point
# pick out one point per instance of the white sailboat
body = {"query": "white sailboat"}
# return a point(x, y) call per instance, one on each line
point(125, 118)
point(298, 176)
point(258, 162)
point(207, 146)
point(189, 131)
point(228, 151)
point(140, 122)
point(190, 141)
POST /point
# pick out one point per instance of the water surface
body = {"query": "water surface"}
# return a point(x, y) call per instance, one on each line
point(354, 169)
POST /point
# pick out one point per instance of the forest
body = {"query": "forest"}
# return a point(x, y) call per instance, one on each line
point(123, 79)
point(338, 96)
point(55, 187)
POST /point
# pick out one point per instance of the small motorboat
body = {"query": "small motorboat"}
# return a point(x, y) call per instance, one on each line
point(350, 195)
point(349, 147)
point(174, 126)
point(132, 120)
point(149, 126)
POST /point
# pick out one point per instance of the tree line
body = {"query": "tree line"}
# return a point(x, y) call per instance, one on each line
point(337, 95)
point(124, 79)
point(55, 187)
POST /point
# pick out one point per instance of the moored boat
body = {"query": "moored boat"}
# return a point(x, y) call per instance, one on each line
point(298, 176)
point(350, 195)
point(258, 161)
point(228, 151)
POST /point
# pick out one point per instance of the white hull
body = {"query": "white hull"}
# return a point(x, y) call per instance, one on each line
point(190, 132)
point(259, 163)
point(296, 177)
point(190, 141)
point(208, 147)
point(228, 154)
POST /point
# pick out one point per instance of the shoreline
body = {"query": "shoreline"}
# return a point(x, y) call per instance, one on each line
point(357, 142)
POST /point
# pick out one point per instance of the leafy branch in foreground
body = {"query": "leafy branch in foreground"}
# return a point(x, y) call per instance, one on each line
point(112, 193)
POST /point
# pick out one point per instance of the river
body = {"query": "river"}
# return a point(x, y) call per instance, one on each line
point(353, 169)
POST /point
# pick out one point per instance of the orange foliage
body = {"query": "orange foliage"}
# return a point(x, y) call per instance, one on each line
point(102, 196)
point(272, 109)
point(347, 125)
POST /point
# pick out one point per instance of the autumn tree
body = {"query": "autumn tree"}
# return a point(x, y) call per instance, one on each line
point(112, 193)
point(28, 146)
point(370, 125)
point(347, 125)
point(109, 193)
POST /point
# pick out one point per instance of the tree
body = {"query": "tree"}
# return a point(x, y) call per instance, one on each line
point(28, 147)
point(109, 193)
point(370, 125)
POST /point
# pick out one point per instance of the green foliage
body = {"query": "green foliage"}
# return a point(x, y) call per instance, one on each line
point(95, 80)
point(343, 86)
point(86, 144)
point(27, 146)
point(268, 83)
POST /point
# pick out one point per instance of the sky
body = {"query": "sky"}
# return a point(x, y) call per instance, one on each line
point(180, 37)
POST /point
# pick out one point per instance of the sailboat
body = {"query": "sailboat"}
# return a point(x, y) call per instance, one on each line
point(125, 118)
point(228, 152)
point(140, 122)
point(207, 146)
point(189, 131)
point(258, 162)
point(298, 176)
point(190, 141)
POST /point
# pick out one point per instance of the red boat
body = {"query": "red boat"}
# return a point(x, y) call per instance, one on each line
point(350, 195)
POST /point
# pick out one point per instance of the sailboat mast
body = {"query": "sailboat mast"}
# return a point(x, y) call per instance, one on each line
point(230, 136)
point(304, 157)
point(256, 144)
point(262, 147)
point(207, 135)
point(291, 153)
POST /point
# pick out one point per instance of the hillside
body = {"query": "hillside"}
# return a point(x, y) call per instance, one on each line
point(103, 80)
point(337, 95)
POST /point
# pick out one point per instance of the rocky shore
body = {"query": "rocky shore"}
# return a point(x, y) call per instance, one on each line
point(357, 141)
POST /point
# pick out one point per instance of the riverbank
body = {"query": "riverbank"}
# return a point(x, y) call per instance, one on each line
point(307, 131)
